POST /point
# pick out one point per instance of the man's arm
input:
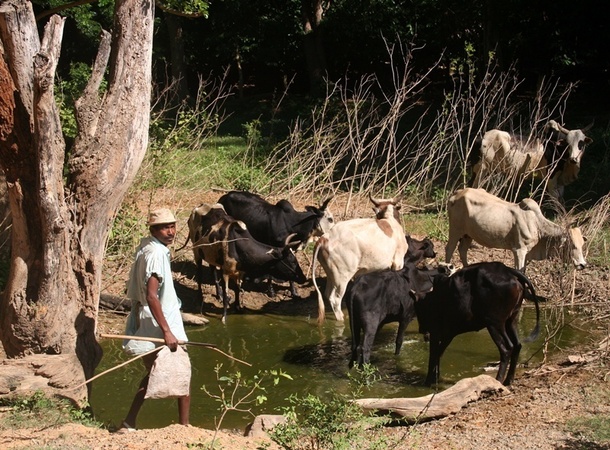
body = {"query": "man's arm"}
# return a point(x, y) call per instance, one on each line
point(152, 287)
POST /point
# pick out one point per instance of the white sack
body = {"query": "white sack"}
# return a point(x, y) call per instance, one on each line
point(170, 375)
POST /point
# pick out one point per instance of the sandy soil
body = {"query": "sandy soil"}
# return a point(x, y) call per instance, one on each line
point(535, 415)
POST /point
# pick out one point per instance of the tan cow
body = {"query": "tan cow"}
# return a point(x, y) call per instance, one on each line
point(358, 246)
point(556, 154)
point(475, 214)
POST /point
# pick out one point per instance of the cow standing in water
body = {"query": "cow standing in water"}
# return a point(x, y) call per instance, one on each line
point(377, 298)
point(358, 246)
point(484, 295)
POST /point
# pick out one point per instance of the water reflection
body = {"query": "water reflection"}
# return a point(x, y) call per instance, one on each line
point(315, 357)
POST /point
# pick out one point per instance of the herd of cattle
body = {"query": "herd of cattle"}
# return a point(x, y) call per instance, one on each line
point(375, 267)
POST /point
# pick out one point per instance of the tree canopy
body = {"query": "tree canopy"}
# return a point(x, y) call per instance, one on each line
point(263, 42)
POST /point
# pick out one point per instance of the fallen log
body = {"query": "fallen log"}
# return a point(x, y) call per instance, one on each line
point(437, 405)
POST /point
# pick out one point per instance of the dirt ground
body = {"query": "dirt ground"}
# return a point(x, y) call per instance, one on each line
point(534, 415)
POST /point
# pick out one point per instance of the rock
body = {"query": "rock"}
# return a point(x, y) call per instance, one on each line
point(262, 424)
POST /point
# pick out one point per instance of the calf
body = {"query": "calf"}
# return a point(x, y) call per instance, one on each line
point(227, 246)
point(358, 246)
point(377, 298)
point(484, 295)
point(418, 250)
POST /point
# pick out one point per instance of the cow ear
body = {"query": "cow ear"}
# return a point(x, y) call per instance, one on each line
point(588, 140)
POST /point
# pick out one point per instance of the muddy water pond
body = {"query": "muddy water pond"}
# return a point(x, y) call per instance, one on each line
point(316, 358)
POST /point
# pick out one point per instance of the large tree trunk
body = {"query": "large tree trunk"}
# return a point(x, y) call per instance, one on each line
point(178, 67)
point(313, 12)
point(62, 213)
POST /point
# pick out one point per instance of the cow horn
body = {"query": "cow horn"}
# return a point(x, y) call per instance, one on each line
point(325, 202)
point(555, 126)
point(375, 201)
point(287, 242)
point(588, 127)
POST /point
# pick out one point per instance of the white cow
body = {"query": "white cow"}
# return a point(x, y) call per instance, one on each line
point(358, 246)
point(559, 151)
point(474, 214)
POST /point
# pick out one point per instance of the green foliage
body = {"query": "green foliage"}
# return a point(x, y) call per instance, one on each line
point(125, 232)
point(592, 431)
point(333, 422)
point(433, 225)
point(238, 393)
point(39, 411)
point(68, 91)
point(193, 7)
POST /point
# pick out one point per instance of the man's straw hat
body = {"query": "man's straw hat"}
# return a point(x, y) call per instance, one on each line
point(160, 216)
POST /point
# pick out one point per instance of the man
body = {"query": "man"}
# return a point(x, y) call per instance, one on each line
point(155, 308)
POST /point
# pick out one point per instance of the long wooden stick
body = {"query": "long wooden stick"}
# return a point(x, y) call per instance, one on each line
point(116, 367)
point(162, 341)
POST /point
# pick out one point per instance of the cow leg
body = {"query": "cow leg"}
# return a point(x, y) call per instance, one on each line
point(334, 293)
point(270, 290)
point(237, 296)
point(356, 348)
point(450, 247)
point(477, 170)
point(367, 343)
point(219, 294)
point(293, 290)
point(225, 298)
point(199, 275)
point(437, 348)
point(520, 255)
point(511, 329)
point(465, 243)
point(505, 347)
point(400, 334)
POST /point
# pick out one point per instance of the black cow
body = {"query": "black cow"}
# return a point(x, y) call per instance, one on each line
point(418, 250)
point(381, 297)
point(228, 247)
point(271, 224)
point(484, 295)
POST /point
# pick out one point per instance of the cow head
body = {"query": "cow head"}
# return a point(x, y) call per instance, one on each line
point(386, 208)
point(574, 141)
point(568, 247)
point(576, 242)
point(288, 267)
point(419, 250)
point(325, 219)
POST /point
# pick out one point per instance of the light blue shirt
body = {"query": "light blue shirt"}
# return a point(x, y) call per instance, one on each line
point(152, 257)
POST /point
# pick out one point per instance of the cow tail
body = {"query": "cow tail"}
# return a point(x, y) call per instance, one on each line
point(321, 309)
point(530, 294)
point(188, 238)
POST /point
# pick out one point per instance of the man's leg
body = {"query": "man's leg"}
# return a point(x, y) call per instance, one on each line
point(138, 399)
point(184, 409)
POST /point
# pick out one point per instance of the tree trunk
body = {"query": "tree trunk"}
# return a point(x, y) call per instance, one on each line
point(62, 213)
point(176, 50)
point(312, 12)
